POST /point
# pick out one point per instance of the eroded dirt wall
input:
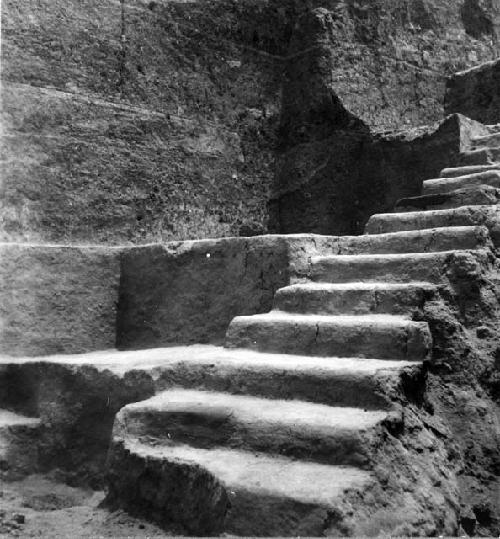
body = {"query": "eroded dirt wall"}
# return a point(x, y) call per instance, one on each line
point(476, 93)
point(190, 150)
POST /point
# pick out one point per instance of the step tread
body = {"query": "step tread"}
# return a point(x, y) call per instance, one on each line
point(452, 172)
point(445, 185)
point(485, 138)
point(359, 286)
point(293, 414)
point(475, 176)
point(470, 208)
point(389, 256)
point(120, 362)
point(344, 320)
point(262, 474)
point(433, 231)
point(455, 198)
point(13, 419)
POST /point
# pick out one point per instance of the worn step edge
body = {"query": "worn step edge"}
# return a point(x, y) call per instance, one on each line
point(380, 336)
point(445, 185)
point(477, 196)
point(464, 216)
point(433, 239)
point(486, 141)
point(335, 435)
point(209, 492)
point(401, 267)
point(335, 381)
point(453, 172)
point(480, 156)
point(353, 298)
point(484, 219)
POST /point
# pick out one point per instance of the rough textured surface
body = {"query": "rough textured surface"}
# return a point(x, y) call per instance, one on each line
point(57, 299)
point(475, 93)
point(75, 299)
point(18, 444)
point(44, 506)
point(77, 396)
point(332, 179)
point(230, 491)
point(154, 136)
point(189, 292)
point(379, 336)
point(287, 428)
point(152, 121)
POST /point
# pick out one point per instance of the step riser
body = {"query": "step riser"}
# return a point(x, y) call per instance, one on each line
point(322, 387)
point(397, 271)
point(446, 185)
point(351, 301)
point(222, 428)
point(191, 500)
point(486, 217)
point(167, 492)
point(417, 241)
point(465, 170)
point(480, 196)
point(321, 339)
point(489, 141)
point(480, 157)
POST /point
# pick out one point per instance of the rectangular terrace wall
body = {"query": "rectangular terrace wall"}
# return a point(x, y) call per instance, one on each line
point(188, 292)
point(68, 299)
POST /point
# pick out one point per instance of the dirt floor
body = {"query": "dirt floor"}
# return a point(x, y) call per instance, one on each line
point(42, 506)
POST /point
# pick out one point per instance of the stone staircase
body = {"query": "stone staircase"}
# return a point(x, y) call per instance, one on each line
point(277, 438)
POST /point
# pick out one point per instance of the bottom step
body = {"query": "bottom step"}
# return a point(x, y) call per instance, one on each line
point(212, 491)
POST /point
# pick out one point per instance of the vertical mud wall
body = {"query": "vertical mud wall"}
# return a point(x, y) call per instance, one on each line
point(354, 70)
point(156, 120)
point(476, 93)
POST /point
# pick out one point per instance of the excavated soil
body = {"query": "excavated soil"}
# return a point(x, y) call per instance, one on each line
point(44, 506)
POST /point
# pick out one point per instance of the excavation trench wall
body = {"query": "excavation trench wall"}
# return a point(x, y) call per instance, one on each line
point(151, 120)
point(475, 93)
point(57, 299)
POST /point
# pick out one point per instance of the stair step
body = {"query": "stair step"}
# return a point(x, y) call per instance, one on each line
point(214, 491)
point(13, 421)
point(465, 170)
point(353, 298)
point(485, 218)
point(293, 428)
point(479, 195)
point(333, 381)
point(482, 156)
point(377, 335)
point(416, 241)
point(445, 185)
point(408, 267)
point(486, 141)
point(18, 444)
